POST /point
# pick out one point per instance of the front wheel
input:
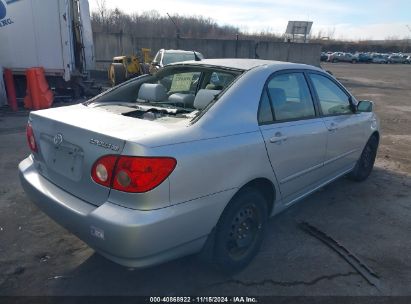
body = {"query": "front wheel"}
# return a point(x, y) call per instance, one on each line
point(240, 231)
point(365, 164)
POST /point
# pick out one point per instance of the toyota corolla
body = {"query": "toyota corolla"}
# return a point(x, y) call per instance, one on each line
point(196, 157)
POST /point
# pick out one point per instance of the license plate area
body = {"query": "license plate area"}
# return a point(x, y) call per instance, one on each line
point(65, 158)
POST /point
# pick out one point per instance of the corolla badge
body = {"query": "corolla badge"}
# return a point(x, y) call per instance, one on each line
point(103, 144)
point(58, 139)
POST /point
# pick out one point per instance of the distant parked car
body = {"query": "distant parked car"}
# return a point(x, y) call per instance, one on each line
point(324, 56)
point(363, 57)
point(408, 60)
point(396, 59)
point(164, 57)
point(379, 58)
point(342, 57)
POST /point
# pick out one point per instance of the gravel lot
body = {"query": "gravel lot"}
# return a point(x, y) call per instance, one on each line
point(371, 220)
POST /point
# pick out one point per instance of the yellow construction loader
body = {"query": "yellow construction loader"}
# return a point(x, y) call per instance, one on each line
point(129, 66)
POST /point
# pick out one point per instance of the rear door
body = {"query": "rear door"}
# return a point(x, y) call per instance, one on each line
point(295, 137)
point(345, 128)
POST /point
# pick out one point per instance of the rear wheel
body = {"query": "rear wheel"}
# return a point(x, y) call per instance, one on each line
point(117, 73)
point(365, 164)
point(240, 231)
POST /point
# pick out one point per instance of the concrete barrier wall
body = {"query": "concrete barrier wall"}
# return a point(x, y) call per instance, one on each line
point(109, 45)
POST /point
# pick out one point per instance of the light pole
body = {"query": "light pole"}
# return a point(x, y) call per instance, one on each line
point(177, 31)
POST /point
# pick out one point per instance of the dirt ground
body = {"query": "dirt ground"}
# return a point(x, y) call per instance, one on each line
point(371, 220)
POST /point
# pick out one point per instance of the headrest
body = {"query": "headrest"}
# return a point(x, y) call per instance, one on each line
point(185, 100)
point(204, 97)
point(278, 96)
point(152, 92)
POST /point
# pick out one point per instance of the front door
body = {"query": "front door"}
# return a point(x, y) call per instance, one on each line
point(345, 128)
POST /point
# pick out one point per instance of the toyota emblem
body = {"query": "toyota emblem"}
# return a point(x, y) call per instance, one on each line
point(58, 139)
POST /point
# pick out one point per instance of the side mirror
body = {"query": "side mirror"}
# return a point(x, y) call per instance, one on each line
point(365, 106)
point(155, 63)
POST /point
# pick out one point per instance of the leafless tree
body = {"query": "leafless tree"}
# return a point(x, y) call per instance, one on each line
point(152, 24)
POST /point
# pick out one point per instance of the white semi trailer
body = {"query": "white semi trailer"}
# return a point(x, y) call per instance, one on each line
point(53, 34)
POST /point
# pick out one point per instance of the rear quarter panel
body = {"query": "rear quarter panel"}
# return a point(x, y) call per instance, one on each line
point(210, 166)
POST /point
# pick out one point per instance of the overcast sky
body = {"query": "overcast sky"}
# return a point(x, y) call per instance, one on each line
point(347, 19)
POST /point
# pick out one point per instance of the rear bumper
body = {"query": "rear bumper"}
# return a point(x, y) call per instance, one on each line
point(126, 236)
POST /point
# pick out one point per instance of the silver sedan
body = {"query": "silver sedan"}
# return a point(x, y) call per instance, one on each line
point(196, 157)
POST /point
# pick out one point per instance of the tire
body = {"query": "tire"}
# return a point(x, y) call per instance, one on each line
point(364, 165)
point(335, 60)
point(117, 73)
point(240, 231)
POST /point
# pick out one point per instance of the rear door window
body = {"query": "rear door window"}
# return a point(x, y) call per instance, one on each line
point(290, 97)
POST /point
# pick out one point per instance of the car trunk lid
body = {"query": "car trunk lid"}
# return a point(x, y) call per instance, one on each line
point(71, 139)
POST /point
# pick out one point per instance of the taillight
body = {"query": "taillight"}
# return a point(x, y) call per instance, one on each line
point(103, 168)
point(132, 173)
point(30, 138)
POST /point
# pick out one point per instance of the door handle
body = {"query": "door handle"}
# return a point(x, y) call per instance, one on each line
point(278, 138)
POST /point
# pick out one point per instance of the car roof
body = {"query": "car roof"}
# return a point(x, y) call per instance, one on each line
point(242, 63)
point(178, 51)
